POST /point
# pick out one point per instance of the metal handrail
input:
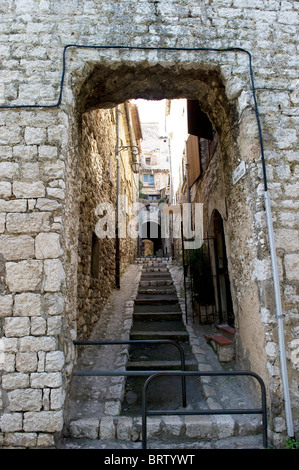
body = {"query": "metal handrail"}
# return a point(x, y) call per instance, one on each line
point(262, 410)
point(134, 373)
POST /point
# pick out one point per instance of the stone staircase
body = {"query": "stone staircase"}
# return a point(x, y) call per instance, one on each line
point(156, 314)
point(157, 317)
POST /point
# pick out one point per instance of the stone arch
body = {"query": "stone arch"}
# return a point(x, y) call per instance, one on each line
point(101, 86)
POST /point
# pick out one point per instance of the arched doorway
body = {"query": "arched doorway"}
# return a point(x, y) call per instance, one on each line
point(152, 231)
point(224, 298)
point(108, 86)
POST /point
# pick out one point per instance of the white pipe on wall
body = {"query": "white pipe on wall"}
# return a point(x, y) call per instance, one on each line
point(279, 315)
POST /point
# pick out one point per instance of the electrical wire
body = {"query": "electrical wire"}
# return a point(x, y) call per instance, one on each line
point(267, 204)
point(149, 48)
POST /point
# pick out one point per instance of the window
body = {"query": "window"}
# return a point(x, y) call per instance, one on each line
point(148, 180)
point(148, 160)
point(200, 143)
point(95, 256)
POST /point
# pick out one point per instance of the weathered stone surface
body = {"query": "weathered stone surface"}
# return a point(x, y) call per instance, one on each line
point(58, 169)
point(16, 327)
point(54, 303)
point(292, 266)
point(124, 428)
point(54, 361)
point(43, 421)
point(5, 189)
point(21, 440)
point(35, 135)
point(47, 152)
point(24, 276)
point(16, 247)
point(26, 362)
point(23, 189)
point(45, 440)
point(34, 344)
point(13, 381)
point(173, 424)
point(28, 223)
point(8, 169)
point(41, 380)
point(47, 245)
point(107, 428)
point(6, 302)
point(2, 222)
point(88, 428)
point(38, 326)
point(25, 400)
point(54, 275)
point(11, 422)
point(14, 205)
point(199, 426)
point(27, 304)
point(57, 398)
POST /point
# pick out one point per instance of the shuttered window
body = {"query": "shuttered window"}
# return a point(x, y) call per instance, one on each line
point(193, 159)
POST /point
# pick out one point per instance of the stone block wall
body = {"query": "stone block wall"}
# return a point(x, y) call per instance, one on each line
point(99, 185)
point(40, 180)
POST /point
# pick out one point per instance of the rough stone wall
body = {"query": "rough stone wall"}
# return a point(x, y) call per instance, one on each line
point(39, 150)
point(96, 264)
point(94, 282)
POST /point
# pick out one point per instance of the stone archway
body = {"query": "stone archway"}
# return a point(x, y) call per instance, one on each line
point(103, 86)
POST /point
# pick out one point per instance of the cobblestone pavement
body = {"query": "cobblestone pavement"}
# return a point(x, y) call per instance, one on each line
point(95, 402)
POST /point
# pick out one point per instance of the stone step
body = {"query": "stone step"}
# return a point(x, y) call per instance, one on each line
point(157, 290)
point(156, 299)
point(223, 432)
point(179, 335)
point(155, 282)
point(158, 325)
point(155, 273)
point(157, 316)
point(155, 263)
point(157, 308)
point(156, 269)
point(160, 365)
point(223, 346)
point(226, 330)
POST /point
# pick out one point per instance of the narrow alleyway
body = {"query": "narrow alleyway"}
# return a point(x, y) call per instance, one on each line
point(104, 412)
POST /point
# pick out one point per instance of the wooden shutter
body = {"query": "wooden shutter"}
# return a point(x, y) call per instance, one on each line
point(193, 159)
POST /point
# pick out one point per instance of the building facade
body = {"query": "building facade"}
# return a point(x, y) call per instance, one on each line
point(154, 185)
point(65, 66)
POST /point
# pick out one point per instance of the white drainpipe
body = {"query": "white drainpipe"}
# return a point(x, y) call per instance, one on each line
point(279, 315)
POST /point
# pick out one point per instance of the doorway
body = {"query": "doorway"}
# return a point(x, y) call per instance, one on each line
point(224, 298)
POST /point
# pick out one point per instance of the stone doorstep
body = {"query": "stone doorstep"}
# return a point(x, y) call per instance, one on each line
point(223, 346)
point(227, 330)
point(219, 339)
point(169, 427)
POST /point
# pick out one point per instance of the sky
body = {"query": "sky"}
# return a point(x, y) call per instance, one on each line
point(150, 111)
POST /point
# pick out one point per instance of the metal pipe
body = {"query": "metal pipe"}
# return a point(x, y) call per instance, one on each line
point(262, 410)
point(279, 316)
point(135, 341)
